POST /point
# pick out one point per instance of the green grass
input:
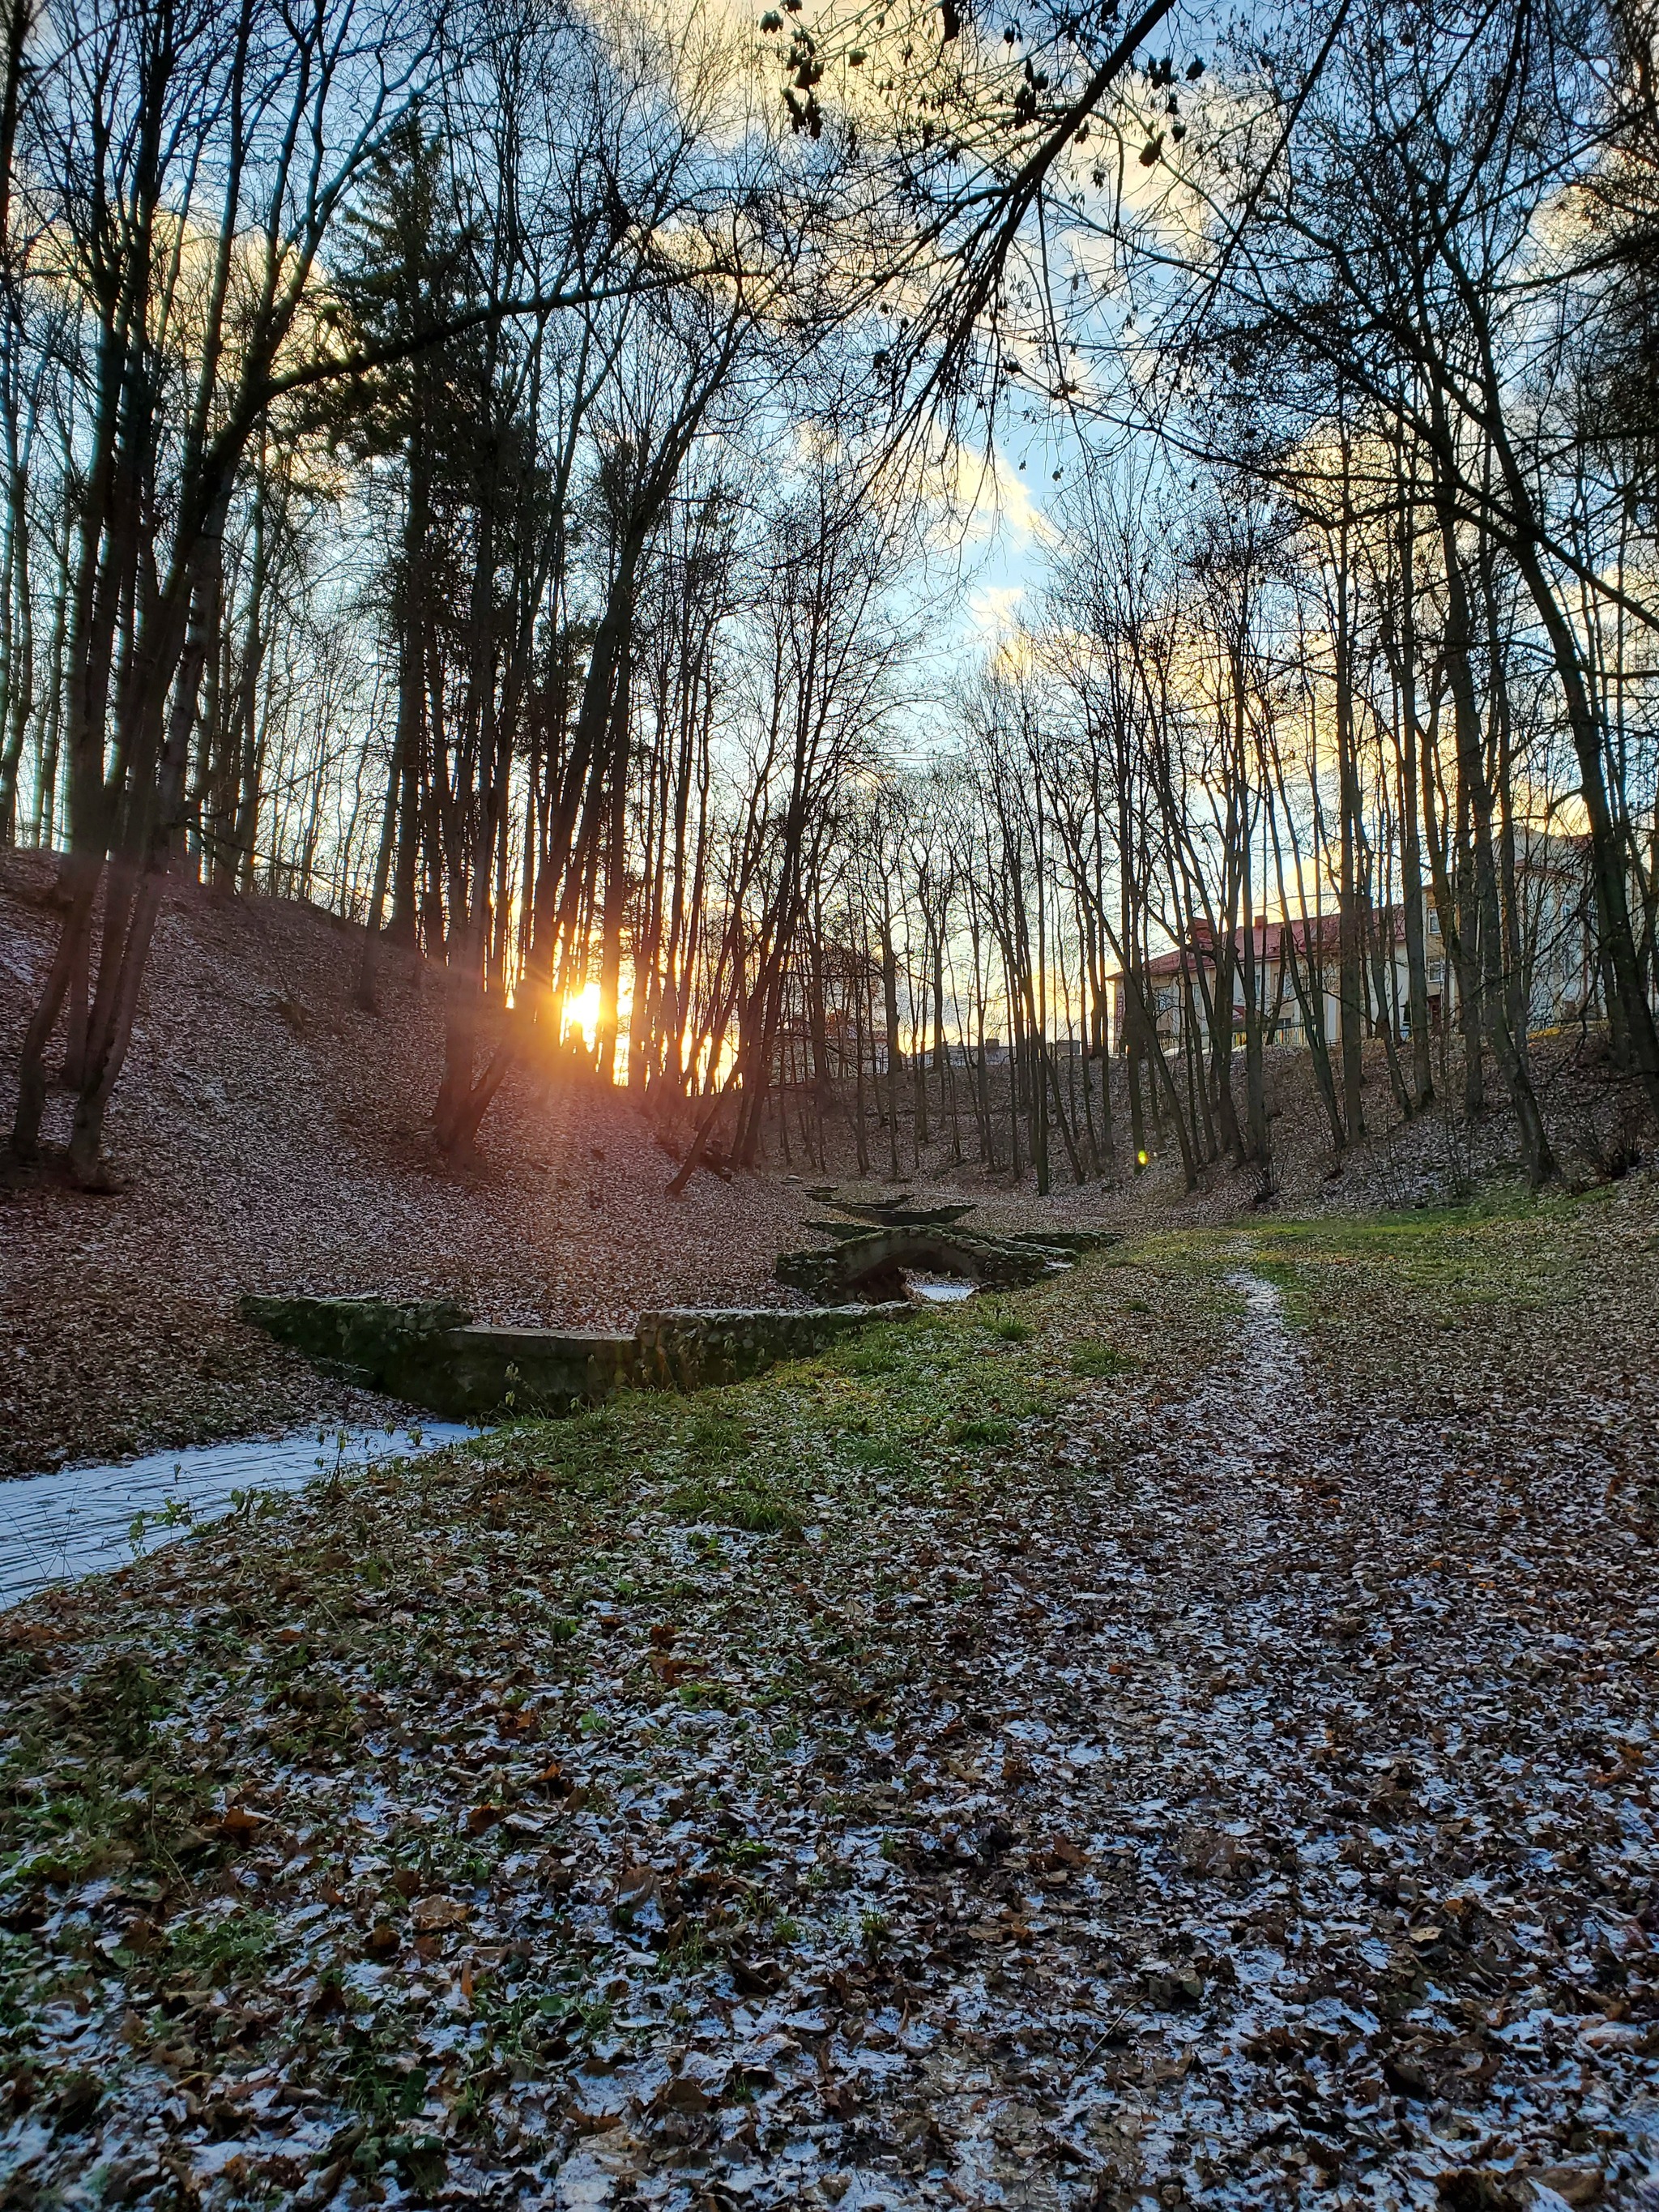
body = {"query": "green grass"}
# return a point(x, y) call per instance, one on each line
point(714, 1439)
point(105, 1773)
point(879, 1454)
point(1507, 1251)
point(673, 1503)
point(225, 1953)
point(981, 1432)
point(900, 1407)
point(120, 1703)
point(1096, 1361)
point(736, 1505)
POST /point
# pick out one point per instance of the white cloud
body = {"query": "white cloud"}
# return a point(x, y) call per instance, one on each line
point(992, 498)
point(994, 610)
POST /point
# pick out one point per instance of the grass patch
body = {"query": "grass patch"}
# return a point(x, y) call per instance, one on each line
point(901, 1407)
point(120, 1703)
point(867, 1363)
point(1505, 1250)
point(981, 1432)
point(736, 1505)
point(1093, 1362)
point(546, 1630)
point(715, 1439)
point(876, 1455)
point(226, 1953)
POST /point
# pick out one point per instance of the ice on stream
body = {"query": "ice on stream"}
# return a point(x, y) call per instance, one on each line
point(78, 1521)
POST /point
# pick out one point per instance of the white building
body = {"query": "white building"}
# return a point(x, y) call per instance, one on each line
point(1557, 942)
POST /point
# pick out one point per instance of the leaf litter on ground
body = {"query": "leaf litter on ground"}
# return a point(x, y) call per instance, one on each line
point(964, 1769)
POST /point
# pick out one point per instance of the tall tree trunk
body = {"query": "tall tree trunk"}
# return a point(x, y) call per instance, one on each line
point(890, 1007)
point(1511, 1050)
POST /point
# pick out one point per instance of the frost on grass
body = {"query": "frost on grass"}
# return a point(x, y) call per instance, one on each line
point(1175, 1751)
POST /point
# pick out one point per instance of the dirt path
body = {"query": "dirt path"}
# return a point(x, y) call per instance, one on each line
point(1005, 1764)
point(1339, 1873)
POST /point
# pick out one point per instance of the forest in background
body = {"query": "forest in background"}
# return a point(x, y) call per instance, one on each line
point(503, 473)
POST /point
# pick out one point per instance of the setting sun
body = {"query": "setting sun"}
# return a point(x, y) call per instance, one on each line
point(582, 1010)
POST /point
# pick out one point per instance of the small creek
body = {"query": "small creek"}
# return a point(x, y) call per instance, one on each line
point(57, 1526)
point(78, 1521)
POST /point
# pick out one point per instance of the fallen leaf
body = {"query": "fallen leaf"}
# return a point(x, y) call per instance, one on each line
point(1575, 2185)
point(429, 1914)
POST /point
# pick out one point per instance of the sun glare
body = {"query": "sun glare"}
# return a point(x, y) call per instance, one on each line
point(581, 1011)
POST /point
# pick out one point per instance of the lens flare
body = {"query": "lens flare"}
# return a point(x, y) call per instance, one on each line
point(581, 1011)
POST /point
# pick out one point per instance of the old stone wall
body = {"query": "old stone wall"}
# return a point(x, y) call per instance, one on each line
point(684, 1349)
point(433, 1355)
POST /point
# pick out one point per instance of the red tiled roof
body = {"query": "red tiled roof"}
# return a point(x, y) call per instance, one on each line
point(1320, 930)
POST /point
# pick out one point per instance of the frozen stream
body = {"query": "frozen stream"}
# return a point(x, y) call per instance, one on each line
point(57, 1526)
point(81, 1520)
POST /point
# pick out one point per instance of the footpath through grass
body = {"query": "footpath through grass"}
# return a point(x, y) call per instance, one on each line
point(595, 1806)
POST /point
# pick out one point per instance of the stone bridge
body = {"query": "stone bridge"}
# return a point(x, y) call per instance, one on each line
point(865, 1264)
